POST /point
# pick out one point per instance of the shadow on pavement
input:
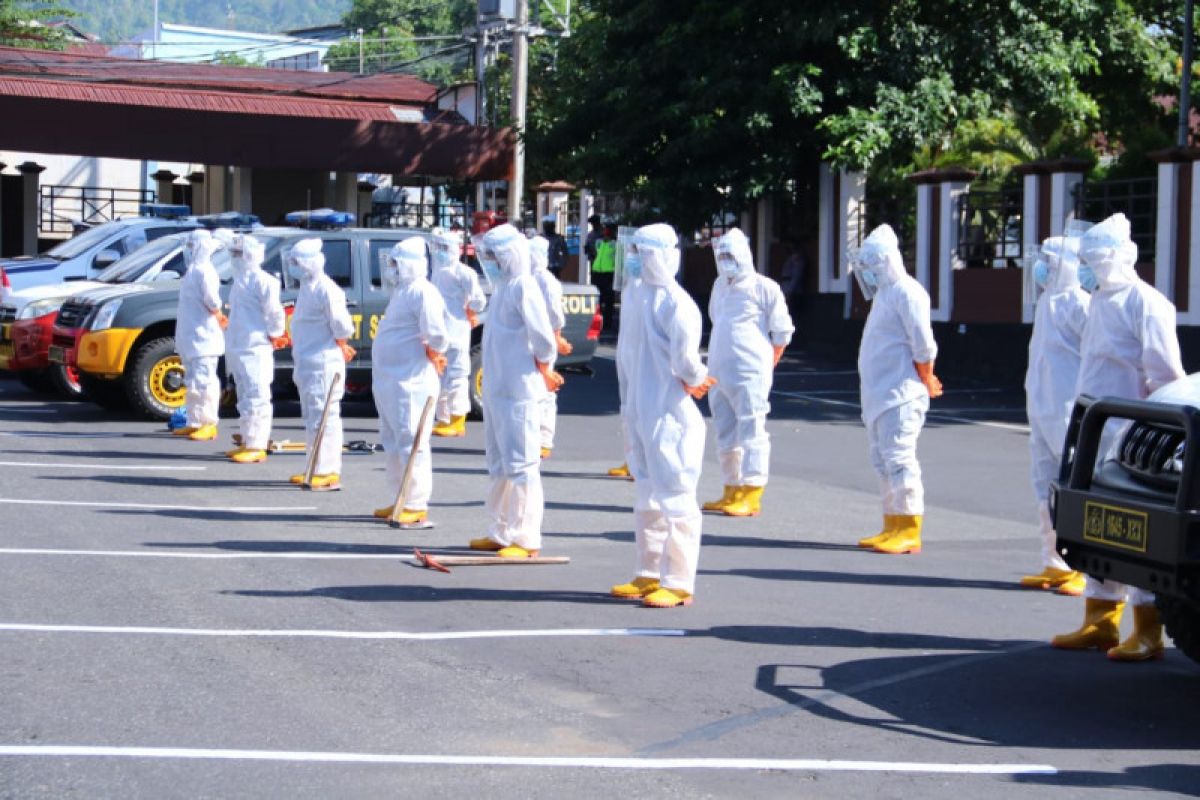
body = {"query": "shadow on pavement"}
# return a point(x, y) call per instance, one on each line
point(1181, 778)
point(425, 594)
point(251, 546)
point(217, 515)
point(871, 579)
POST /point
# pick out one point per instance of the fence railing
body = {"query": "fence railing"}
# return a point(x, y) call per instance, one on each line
point(1136, 198)
point(989, 228)
point(418, 215)
point(900, 214)
point(62, 208)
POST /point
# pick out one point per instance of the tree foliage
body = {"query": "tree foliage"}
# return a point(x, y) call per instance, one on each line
point(23, 24)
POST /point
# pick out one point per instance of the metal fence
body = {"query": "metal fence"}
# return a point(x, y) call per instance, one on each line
point(990, 231)
point(418, 215)
point(899, 213)
point(1136, 198)
point(63, 208)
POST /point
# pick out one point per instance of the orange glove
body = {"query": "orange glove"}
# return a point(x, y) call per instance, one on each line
point(437, 359)
point(472, 318)
point(280, 342)
point(779, 348)
point(932, 384)
point(564, 347)
point(222, 320)
point(553, 380)
point(348, 352)
point(701, 389)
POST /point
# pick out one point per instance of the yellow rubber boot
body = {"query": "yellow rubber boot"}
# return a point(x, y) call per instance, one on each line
point(904, 538)
point(513, 551)
point(546, 452)
point(233, 452)
point(410, 516)
point(635, 589)
point(1074, 587)
point(715, 505)
point(249, 456)
point(889, 525)
point(326, 483)
point(185, 431)
point(619, 472)
point(667, 598)
point(205, 433)
point(457, 426)
point(383, 513)
point(297, 478)
point(1146, 641)
point(1049, 578)
point(484, 543)
point(1100, 629)
point(747, 502)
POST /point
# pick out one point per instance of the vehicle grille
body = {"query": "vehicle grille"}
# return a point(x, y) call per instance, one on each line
point(1147, 452)
point(72, 314)
point(7, 314)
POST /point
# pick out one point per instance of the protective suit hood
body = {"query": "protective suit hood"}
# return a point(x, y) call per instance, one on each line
point(247, 252)
point(305, 260)
point(1061, 254)
point(881, 254)
point(199, 247)
point(445, 246)
point(732, 251)
point(658, 246)
point(1109, 250)
point(410, 260)
point(539, 253)
point(510, 249)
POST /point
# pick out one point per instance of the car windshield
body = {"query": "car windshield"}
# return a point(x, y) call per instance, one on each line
point(142, 264)
point(80, 244)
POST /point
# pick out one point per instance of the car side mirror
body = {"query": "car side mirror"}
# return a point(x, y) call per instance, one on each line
point(105, 259)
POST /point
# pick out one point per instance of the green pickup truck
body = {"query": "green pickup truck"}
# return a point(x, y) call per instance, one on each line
point(122, 338)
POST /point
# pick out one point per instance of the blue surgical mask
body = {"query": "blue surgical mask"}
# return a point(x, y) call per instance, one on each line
point(869, 278)
point(1088, 279)
point(296, 271)
point(728, 266)
point(493, 272)
point(1041, 274)
point(633, 265)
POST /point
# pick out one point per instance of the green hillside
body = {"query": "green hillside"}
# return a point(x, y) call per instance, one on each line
point(119, 20)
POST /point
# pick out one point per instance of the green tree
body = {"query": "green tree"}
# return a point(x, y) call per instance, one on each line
point(391, 33)
point(23, 24)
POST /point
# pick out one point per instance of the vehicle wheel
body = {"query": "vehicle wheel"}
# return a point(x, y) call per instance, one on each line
point(66, 381)
point(154, 379)
point(1182, 621)
point(36, 380)
point(476, 390)
point(106, 394)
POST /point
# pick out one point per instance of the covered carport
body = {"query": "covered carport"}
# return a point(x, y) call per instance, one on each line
point(272, 140)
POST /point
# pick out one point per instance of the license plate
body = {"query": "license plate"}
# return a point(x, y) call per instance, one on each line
point(1115, 527)
point(6, 351)
point(57, 355)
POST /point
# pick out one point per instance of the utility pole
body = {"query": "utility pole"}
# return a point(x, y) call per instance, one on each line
point(1185, 83)
point(154, 47)
point(480, 98)
point(520, 78)
point(360, 51)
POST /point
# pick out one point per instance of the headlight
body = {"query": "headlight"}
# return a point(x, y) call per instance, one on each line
point(103, 319)
point(40, 308)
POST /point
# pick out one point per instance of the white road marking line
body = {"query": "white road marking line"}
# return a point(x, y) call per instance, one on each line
point(298, 633)
point(32, 551)
point(1004, 426)
point(102, 467)
point(576, 762)
point(219, 509)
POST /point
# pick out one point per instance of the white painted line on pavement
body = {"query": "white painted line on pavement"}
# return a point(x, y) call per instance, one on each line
point(1004, 426)
point(102, 467)
point(35, 551)
point(316, 634)
point(219, 509)
point(576, 762)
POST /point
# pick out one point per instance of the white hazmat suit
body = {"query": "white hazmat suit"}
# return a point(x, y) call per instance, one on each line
point(403, 375)
point(551, 288)
point(628, 333)
point(256, 322)
point(320, 327)
point(1059, 319)
point(666, 429)
point(199, 339)
point(751, 327)
point(463, 298)
point(1129, 349)
point(516, 338)
point(895, 367)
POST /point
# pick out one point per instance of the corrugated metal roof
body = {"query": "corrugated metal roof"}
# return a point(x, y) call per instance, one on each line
point(379, 88)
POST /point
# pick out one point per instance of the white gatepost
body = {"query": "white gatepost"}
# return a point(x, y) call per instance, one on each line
point(842, 195)
point(939, 194)
point(1053, 184)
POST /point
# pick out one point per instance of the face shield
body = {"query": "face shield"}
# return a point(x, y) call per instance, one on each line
point(304, 260)
point(867, 264)
point(1035, 275)
point(487, 260)
point(621, 268)
point(246, 252)
point(444, 248)
point(198, 248)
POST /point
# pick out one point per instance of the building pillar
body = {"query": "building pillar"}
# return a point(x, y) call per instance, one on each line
point(199, 198)
point(164, 180)
point(938, 193)
point(345, 193)
point(764, 234)
point(31, 202)
point(241, 198)
point(216, 191)
point(839, 230)
point(1048, 203)
point(585, 211)
point(1177, 249)
point(364, 204)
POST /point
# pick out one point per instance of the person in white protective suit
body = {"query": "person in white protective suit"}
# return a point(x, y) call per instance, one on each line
point(321, 329)
point(895, 368)
point(751, 329)
point(464, 299)
point(257, 327)
point(1129, 350)
point(1059, 319)
point(518, 349)
point(199, 336)
point(406, 364)
point(665, 427)
point(627, 349)
point(539, 257)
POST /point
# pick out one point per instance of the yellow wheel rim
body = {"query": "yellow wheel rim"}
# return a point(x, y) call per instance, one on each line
point(166, 382)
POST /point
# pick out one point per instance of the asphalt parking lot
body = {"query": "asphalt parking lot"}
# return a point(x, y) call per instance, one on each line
point(175, 625)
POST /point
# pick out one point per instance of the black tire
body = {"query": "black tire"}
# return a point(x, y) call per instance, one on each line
point(36, 380)
point(153, 379)
point(1182, 621)
point(66, 382)
point(476, 385)
point(106, 394)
